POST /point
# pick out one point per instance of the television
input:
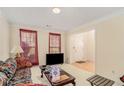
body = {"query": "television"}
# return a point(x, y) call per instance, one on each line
point(52, 59)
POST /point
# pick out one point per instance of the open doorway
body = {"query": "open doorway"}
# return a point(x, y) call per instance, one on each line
point(82, 50)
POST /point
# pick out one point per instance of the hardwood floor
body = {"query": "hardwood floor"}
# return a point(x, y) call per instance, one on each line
point(88, 66)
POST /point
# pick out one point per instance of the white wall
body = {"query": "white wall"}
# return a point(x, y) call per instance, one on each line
point(90, 44)
point(4, 38)
point(109, 48)
point(43, 40)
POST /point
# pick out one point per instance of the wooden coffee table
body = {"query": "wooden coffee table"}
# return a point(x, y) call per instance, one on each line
point(71, 79)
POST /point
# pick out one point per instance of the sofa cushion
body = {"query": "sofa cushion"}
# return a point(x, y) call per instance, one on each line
point(22, 62)
point(9, 67)
point(21, 76)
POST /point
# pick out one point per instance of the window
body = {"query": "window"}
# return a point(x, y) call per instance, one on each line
point(54, 43)
point(28, 41)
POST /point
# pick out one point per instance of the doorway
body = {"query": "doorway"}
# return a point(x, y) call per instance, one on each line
point(82, 50)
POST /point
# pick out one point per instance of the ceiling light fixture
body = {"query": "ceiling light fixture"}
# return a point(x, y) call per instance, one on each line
point(56, 10)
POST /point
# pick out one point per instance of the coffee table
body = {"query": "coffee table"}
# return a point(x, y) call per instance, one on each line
point(71, 79)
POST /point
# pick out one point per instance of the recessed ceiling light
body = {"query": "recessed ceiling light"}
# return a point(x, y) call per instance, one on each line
point(56, 10)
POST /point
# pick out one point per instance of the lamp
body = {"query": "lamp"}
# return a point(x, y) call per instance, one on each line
point(56, 10)
point(17, 50)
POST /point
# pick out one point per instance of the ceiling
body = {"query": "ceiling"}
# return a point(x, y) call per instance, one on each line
point(68, 19)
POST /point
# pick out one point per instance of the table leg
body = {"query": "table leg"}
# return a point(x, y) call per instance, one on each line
point(41, 74)
point(92, 84)
point(74, 84)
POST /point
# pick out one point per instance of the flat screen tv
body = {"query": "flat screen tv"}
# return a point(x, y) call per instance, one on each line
point(52, 59)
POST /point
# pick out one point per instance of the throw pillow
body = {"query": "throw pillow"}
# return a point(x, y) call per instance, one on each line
point(22, 62)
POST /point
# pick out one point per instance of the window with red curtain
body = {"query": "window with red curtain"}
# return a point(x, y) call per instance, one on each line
point(54, 43)
point(28, 41)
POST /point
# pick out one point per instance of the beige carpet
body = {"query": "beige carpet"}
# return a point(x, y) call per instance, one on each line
point(79, 74)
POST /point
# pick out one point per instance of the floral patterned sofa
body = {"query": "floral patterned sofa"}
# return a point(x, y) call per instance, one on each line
point(11, 76)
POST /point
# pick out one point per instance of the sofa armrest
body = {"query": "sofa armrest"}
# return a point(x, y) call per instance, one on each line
point(1, 82)
point(31, 84)
point(3, 79)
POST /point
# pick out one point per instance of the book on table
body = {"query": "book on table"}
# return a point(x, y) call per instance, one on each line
point(61, 78)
